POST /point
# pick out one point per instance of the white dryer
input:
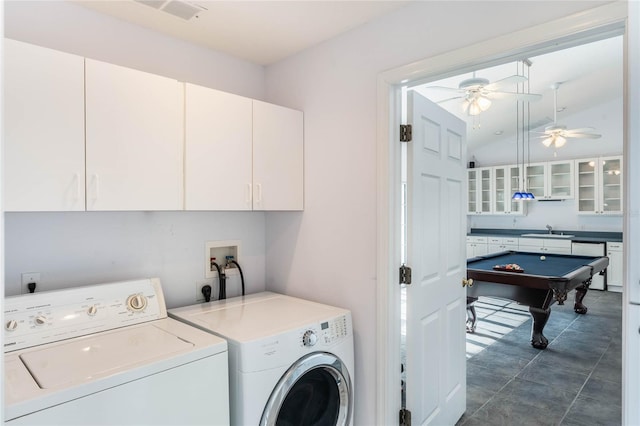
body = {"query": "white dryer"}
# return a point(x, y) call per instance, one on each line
point(290, 360)
point(109, 355)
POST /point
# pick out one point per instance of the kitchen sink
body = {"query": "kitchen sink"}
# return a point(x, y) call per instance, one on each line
point(547, 235)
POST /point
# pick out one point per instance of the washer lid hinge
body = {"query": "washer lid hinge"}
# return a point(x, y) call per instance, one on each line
point(405, 417)
point(405, 133)
point(405, 275)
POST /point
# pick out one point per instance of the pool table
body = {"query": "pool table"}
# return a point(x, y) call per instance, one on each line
point(542, 281)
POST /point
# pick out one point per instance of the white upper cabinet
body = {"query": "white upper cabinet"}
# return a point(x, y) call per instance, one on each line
point(550, 181)
point(599, 185)
point(278, 158)
point(218, 146)
point(43, 129)
point(506, 180)
point(134, 139)
point(479, 190)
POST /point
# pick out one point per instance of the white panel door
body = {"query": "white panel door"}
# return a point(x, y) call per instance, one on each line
point(278, 156)
point(43, 129)
point(134, 139)
point(218, 136)
point(436, 300)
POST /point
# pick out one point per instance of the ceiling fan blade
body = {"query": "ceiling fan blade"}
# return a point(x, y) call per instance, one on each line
point(514, 79)
point(527, 97)
point(448, 89)
point(581, 135)
point(450, 99)
point(540, 123)
point(582, 130)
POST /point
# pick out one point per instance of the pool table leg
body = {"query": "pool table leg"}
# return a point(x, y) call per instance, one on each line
point(578, 307)
point(472, 318)
point(540, 318)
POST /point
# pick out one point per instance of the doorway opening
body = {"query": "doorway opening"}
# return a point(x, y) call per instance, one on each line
point(464, 61)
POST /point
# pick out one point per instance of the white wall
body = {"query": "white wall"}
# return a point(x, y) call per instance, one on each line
point(70, 249)
point(606, 118)
point(328, 253)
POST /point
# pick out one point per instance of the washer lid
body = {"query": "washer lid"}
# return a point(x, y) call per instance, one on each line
point(100, 355)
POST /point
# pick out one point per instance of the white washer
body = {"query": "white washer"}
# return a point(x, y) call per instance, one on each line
point(108, 354)
point(290, 360)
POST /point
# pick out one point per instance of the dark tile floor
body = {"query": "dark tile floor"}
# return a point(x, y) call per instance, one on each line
point(577, 380)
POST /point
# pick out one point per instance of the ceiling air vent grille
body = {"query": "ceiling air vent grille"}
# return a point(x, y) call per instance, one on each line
point(181, 9)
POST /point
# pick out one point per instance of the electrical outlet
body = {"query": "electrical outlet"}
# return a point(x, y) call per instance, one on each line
point(30, 277)
point(199, 286)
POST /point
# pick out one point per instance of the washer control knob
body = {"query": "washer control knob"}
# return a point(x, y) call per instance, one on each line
point(309, 338)
point(11, 325)
point(136, 302)
point(40, 320)
point(92, 310)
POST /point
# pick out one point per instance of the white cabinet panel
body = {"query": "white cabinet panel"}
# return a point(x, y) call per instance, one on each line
point(542, 245)
point(278, 158)
point(218, 150)
point(599, 185)
point(551, 180)
point(479, 190)
point(476, 246)
point(507, 180)
point(134, 150)
point(43, 129)
point(615, 271)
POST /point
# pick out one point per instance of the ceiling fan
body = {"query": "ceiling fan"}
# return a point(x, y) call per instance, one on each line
point(557, 134)
point(477, 93)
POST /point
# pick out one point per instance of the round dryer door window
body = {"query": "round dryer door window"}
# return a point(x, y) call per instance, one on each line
point(315, 391)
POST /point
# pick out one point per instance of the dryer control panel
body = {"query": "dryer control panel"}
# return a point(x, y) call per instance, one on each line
point(45, 317)
point(334, 329)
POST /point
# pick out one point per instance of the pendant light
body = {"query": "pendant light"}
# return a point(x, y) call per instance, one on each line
point(523, 116)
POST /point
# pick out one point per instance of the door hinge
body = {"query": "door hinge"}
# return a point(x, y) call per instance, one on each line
point(405, 275)
point(405, 133)
point(405, 417)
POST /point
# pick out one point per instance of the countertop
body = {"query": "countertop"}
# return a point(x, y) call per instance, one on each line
point(580, 236)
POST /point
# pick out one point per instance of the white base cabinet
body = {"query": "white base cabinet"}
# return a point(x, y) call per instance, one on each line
point(476, 246)
point(615, 271)
point(498, 244)
point(544, 245)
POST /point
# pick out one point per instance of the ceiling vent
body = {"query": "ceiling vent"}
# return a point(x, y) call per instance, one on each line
point(180, 9)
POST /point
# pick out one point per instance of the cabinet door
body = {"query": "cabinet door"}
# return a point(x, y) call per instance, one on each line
point(485, 190)
point(560, 180)
point(134, 123)
point(217, 150)
point(501, 195)
point(536, 180)
point(472, 191)
point(278, 157)
point(611, 185)
point(614, 270)
point(586, 185)
point(515, 179)
point(43, 129)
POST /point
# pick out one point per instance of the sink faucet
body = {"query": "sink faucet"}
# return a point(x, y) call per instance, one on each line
point(549, 227)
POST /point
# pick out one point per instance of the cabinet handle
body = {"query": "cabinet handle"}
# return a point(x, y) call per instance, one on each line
point(259, 191)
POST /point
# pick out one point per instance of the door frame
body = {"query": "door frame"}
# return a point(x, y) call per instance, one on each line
point(562, 33)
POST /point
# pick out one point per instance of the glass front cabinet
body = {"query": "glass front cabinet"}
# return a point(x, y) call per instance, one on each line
point(551, 180)
point(506, 180)
point(479, 190)
point(599, 185)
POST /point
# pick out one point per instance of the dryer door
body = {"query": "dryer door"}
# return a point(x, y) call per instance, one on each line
point(316, 390)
